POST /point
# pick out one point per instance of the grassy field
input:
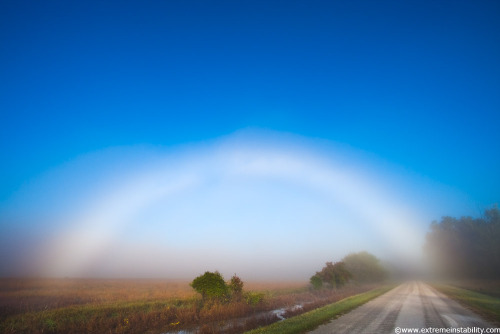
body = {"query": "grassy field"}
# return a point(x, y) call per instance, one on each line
point(26, 295)
point(484, 286)
point(484, 304)
point(314, 318)
point(145, 306)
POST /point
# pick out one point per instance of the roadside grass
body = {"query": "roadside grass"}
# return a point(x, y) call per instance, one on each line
point(314, 318)
point(489, 287)
point(485, 305)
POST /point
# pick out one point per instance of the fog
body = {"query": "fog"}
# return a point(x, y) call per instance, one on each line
point(263, 205)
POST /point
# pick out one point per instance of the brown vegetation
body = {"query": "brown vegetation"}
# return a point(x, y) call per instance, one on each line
point(146, 306)
point(28, 295)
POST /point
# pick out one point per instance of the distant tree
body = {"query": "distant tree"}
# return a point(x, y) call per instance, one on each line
point(364, 267)
point(333, 275)
point(316, 282)
point(236, 288)
point(466, 247)
point(211, 286)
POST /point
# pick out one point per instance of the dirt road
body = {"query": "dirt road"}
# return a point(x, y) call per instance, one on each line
point(410, 305)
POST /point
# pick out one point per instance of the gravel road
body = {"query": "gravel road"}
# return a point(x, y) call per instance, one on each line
point(410, 305)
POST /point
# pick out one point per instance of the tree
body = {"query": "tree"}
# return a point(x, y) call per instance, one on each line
point(236, 287)
point(211, 286)
point(364, 267)
point(466, 247)
point(316, 282)
point(334, 275)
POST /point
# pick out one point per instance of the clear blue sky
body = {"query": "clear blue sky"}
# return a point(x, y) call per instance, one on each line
point(413, 83)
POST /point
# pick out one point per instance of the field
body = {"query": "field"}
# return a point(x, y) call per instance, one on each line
point(149, 306)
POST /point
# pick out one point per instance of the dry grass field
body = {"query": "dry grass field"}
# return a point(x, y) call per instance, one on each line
point(146, 306)
point(26, 295)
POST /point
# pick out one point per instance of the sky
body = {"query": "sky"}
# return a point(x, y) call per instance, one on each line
point(166, 138)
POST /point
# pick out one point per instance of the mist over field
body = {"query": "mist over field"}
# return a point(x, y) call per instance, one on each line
point(265, 205)
point(168, 138)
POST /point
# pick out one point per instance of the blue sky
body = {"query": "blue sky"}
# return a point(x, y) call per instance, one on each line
point(412, 87)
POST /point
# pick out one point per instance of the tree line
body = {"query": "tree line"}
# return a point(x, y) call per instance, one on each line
point(361, 267)
point(465, 247)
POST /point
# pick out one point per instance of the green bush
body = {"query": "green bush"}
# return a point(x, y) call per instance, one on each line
point(253, 298)
point(211, 286)
point(316, 282)
point(365, 267)
point(334, 275)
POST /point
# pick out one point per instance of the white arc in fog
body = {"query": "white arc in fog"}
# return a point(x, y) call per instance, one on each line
point(88, 236)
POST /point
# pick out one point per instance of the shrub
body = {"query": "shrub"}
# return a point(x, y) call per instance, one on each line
point(253, 298)
point(211, 286)
point(236, 287)
point(365, 267)
point(316, 282)
point(335, 275)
